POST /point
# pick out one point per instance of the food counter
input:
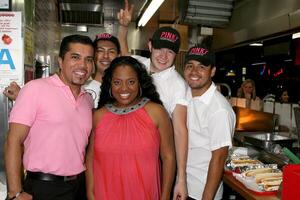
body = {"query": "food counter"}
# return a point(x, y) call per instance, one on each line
point(257, 139)
point(244, 192)
point(259, 130)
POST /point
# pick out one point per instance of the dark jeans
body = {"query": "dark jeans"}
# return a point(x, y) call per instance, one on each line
point(56, 190)
point(190, 198)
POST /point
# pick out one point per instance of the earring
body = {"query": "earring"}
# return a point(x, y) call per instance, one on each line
point(109, 91)
point(141, 91)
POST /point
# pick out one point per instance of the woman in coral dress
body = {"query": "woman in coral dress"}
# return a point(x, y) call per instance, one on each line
point(131, 154)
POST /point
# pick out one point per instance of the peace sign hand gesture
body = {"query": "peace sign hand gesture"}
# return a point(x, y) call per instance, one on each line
point(125, 15)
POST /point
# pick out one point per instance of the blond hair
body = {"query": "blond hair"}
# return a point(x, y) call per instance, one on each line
point(240, 92)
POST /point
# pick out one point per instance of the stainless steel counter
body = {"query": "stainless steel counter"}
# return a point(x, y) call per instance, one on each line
point(267, 144)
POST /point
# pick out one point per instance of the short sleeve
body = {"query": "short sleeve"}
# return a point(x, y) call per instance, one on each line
point(25, 108)
point(221, 129)
point(179, 96)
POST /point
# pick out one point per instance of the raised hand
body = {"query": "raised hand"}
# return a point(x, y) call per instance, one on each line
point(125, 15)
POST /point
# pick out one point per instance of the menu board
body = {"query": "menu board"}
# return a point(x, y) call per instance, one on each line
point(11, 48)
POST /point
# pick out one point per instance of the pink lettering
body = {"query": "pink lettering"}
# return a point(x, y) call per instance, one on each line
point(199, 51)
point(104, 35)
point(168, 36)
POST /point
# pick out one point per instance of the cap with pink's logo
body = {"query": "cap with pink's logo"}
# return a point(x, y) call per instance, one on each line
point(166, 37)
point(202, 54)
point(107, 37)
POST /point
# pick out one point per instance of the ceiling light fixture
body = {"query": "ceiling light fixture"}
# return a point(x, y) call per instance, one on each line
point(258, 63)
point(154, 5)
point(256, 44)
point(296, 35)
point(81, 28)
point(230, 73)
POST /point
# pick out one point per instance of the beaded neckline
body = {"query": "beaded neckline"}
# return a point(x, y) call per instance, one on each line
point(123, 111)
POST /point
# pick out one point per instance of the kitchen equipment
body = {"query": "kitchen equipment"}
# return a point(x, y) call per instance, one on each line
point(253, 121)
point(271, 158)
point(267, 141)
point(297, 119)
point(291, 155)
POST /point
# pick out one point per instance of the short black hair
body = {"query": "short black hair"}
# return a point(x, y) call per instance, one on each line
point(64, 46)
point(145, 80)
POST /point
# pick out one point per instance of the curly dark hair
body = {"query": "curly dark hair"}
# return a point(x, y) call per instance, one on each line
point(145, 80)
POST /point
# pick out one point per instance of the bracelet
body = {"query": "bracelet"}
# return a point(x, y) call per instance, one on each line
point(14, 197)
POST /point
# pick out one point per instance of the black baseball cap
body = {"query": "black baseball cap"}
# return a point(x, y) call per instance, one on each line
point(202, 54)
point(108, 37)
point(166, 37)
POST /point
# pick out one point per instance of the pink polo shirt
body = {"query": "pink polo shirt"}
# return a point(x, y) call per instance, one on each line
point(59, 124)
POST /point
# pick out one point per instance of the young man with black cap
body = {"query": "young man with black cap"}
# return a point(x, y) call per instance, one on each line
point(163, 46)
point(211, 123)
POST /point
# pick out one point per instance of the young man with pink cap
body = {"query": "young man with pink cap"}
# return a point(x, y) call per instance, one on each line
point(107, 48)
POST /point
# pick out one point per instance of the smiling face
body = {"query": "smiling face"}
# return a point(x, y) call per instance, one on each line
point(125, 86)
point(76, 65)
point(161, 59)
point(198, 76)
point(105, 52)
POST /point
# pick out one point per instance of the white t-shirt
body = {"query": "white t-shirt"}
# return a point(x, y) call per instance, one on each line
point(93, 88)
point(210, 121)
point(170, 86)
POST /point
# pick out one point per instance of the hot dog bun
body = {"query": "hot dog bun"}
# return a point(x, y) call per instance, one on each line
point(254, 172)
point(260, 177)
point(244, 162)
point(271, 183)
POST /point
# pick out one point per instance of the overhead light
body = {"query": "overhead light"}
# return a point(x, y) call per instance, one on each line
point(206, 31)
point(154, 5)
point(81, 28)
point(230, 73)
point(296, 35)
point(258, 63)
point(256, 44)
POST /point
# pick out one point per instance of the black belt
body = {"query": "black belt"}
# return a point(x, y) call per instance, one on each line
point(50, 177)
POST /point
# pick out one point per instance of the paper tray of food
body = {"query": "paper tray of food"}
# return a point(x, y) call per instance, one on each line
point(251, 185)
point(238, 163)
point(264, 183)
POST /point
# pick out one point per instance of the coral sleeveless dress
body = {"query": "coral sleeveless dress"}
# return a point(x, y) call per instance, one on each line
point(126, 155)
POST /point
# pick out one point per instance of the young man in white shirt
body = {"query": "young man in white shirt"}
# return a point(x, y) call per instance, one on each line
point(163, 46)
point(211, 121)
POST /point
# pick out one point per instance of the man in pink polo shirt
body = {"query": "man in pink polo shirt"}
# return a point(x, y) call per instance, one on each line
point(49, 127)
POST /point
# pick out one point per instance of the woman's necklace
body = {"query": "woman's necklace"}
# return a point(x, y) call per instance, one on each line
point(126, 110)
